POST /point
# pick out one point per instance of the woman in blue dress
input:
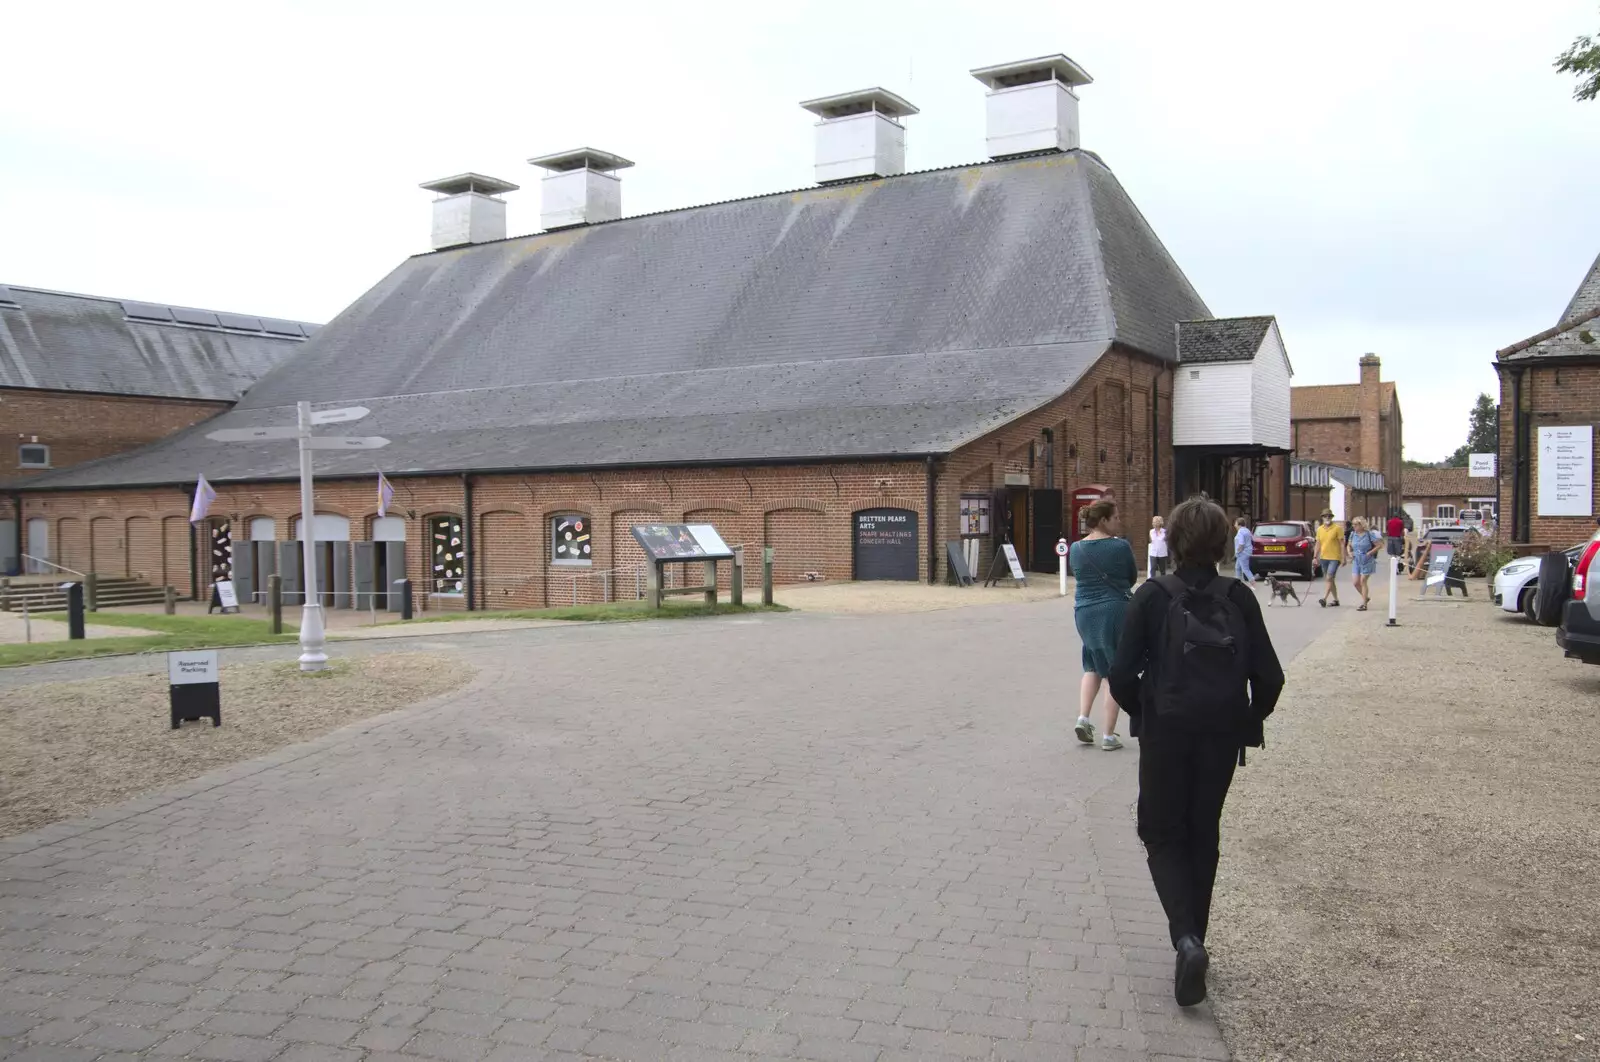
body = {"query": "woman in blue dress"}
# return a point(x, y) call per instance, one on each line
point(1363, 545)
point(1105, 570)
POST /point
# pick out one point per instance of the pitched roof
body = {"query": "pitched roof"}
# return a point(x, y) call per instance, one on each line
point(1221, 339)
point(1443, 483)
point(1576, 335)
point(1335, 401)
point(899, 316)
point(62, 342)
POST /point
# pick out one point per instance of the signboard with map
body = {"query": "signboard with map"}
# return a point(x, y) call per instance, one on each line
point(681, 542)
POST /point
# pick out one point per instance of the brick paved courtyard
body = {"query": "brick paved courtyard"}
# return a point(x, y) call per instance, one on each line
point(787, 837)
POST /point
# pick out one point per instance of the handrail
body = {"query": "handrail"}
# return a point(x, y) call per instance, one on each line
point(53, 564)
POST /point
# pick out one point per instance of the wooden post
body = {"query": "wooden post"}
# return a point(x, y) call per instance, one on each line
point(172, 600)
point(91, 592)
point(736, 587)
point(652, 592)
point(766, 575)
point(275, 602)
point(711, 584)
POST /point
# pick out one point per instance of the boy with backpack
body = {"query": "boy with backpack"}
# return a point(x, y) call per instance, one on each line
point(1196, 672)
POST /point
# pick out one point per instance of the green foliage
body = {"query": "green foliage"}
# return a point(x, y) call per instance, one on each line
point(1482, 432)
point(1582, 59)
point(1478, 556)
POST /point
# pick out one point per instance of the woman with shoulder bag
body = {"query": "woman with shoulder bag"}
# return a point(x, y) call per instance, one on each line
point(1106, 571)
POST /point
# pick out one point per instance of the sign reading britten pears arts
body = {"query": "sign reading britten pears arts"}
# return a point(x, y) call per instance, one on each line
point(884, 544)
point(1566, 471)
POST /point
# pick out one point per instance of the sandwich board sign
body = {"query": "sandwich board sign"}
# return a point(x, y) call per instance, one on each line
point(1438, 568)
point(224, 596)
point(1009, 553)
point(193, 686)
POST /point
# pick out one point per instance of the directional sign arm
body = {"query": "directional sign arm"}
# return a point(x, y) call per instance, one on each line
point(339, 416)
point(346, 442)
point(252, 434)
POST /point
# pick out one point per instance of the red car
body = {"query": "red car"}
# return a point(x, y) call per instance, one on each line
point(1285, 546)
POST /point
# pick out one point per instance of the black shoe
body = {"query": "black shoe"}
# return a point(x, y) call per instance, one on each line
point(1189, 981)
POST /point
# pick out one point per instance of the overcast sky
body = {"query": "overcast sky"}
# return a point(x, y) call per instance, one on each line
point(1407, 178)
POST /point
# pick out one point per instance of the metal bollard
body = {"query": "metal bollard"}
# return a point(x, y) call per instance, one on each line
point(405, 598)
point(736, 585)
point(91, 592)
point(74, 611)
point(766, 575)
point(172, 601)
point(275, 602)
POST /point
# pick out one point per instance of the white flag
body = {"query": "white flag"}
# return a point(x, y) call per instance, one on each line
point(203, 497)
point(385, 496)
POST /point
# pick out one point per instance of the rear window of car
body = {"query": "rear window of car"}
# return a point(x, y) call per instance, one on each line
point(1280, 530)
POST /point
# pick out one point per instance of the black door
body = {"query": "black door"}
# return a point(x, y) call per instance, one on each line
point(884, 542)
point(1046, 529)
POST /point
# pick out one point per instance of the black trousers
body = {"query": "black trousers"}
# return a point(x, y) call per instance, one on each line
point(1183, 780)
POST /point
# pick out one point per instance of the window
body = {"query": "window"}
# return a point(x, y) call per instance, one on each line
point(1445, 512)
point(570, 541)
point(33, 456)
point(449, 554)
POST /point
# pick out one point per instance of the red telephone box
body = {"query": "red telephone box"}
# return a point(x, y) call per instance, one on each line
point(1082, 498)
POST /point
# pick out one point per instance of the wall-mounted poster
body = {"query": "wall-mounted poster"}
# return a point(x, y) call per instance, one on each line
point(975, 509)
point(1566, 471)
point(449, 555)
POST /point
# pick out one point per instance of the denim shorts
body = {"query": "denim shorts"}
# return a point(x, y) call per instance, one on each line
point(1330, 568)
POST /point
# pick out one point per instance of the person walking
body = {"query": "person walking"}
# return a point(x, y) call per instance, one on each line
point(1363, 552)
point(1158, 548)
point(1396, 536)
point(1197, 673)
point(1105, 571)
point(1243, 543)
point(1330, 551)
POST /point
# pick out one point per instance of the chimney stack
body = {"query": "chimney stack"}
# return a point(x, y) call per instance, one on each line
point(582, 187)
point(1370, 399)
point(467, 210)
point(859, 135)
point(1031, 105)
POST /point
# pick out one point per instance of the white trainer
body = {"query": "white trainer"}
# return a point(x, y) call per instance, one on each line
point(1111, 743)
point(1084, 730)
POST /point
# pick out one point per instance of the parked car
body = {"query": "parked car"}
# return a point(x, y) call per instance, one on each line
point(1579, 633)
point(1516, 586)
point(1285, 546)
point(1472, 518)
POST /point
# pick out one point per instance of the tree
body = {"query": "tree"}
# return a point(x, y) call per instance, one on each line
point(1582, 59)
point(1482, 432)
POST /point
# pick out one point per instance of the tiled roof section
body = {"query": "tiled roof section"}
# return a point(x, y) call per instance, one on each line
point(1443, 483)
point(62, 342)
point(1576, 335)
point(1221, 339)
point(897, 316)
point(1586, 300)
point(1335, 401)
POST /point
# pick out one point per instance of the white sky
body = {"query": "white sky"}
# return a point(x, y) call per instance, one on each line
point(1409, 178)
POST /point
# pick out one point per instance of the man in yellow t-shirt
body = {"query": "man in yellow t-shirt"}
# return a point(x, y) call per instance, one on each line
point(1330, 551)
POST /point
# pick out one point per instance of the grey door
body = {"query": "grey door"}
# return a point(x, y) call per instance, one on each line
point(38, 545)
point(341, 575)
point(394, 570)
point(266, 562)
point(244, 572)
point(884, 543)
point(289, 568)
point(363, 553)
point(8, 546)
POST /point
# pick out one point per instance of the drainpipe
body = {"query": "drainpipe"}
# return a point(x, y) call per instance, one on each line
point(933, 531)
point(1155, 443)
point(466, 539)
point(1519, 460)
point(16, 504)
point(194, 564)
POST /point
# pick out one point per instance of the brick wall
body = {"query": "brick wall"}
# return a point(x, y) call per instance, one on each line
point(803, 512)
point(80, 427)
point(1552, 397)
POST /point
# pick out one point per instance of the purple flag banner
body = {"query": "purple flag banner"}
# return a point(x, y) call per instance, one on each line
point(204, 496)
point(385, 495)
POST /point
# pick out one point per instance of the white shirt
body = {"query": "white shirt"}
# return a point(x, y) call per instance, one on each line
point(1243, 541)
point(1158, 542)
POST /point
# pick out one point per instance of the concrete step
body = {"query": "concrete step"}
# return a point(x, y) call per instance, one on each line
point(49, 597)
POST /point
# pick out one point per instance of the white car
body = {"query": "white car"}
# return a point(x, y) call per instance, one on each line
point(1516, 584)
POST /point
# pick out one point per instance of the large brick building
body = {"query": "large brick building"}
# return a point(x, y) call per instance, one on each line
point(84, 377)
point(1549, 414)
point(980, 349)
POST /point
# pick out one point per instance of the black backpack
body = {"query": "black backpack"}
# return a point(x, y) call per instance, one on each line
point(1203, 679)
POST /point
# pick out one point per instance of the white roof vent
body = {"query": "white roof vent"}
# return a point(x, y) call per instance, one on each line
point(467, 210)
point(583, 187)
point(858, 135)
point(1031, 106)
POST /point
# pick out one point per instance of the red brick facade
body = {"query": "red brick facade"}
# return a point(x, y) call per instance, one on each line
point(803, 511)
point(81, 427)
point(1552, 396)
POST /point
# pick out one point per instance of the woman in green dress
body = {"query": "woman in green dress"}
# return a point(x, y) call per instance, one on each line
point(1105, 570)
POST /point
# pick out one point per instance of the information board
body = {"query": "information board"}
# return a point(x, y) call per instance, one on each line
point(1439, 559)
point(678, 542)
point(1481, 466)
point(227, 595)
point(885, 544)
point(1015, 563)
point(1566, 471)
point(975, 509)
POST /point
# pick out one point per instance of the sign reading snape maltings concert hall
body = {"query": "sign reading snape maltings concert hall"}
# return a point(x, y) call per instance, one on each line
point(193, 686)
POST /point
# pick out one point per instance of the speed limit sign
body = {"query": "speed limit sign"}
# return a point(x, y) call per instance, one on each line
point(1061, 548)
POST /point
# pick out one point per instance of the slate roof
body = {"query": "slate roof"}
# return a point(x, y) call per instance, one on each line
point(902, 316)
point(57, 341)
point(1576, 335)
point(1221, 339)
point(1444, 483)
point(1336, 401)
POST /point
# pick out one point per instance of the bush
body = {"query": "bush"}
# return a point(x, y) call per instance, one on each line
point(1476, 556)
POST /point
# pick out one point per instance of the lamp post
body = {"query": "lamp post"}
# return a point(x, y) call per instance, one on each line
point(313, 639)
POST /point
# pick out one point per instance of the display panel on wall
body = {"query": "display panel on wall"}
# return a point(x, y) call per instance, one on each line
point(449, 554)
point(221, 551)
point(885, 544)
point(570, 540)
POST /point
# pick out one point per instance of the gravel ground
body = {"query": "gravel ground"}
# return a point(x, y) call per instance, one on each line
point(872, 597)
point(67, 748)
point(1411, 868)
point(14, 630)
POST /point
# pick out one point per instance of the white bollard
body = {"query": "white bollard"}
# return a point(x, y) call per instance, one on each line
point(1394, 590)
point(1061, 563)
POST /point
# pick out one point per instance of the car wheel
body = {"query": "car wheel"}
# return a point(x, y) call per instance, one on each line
point(1555, 586)
point(1530, 595)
